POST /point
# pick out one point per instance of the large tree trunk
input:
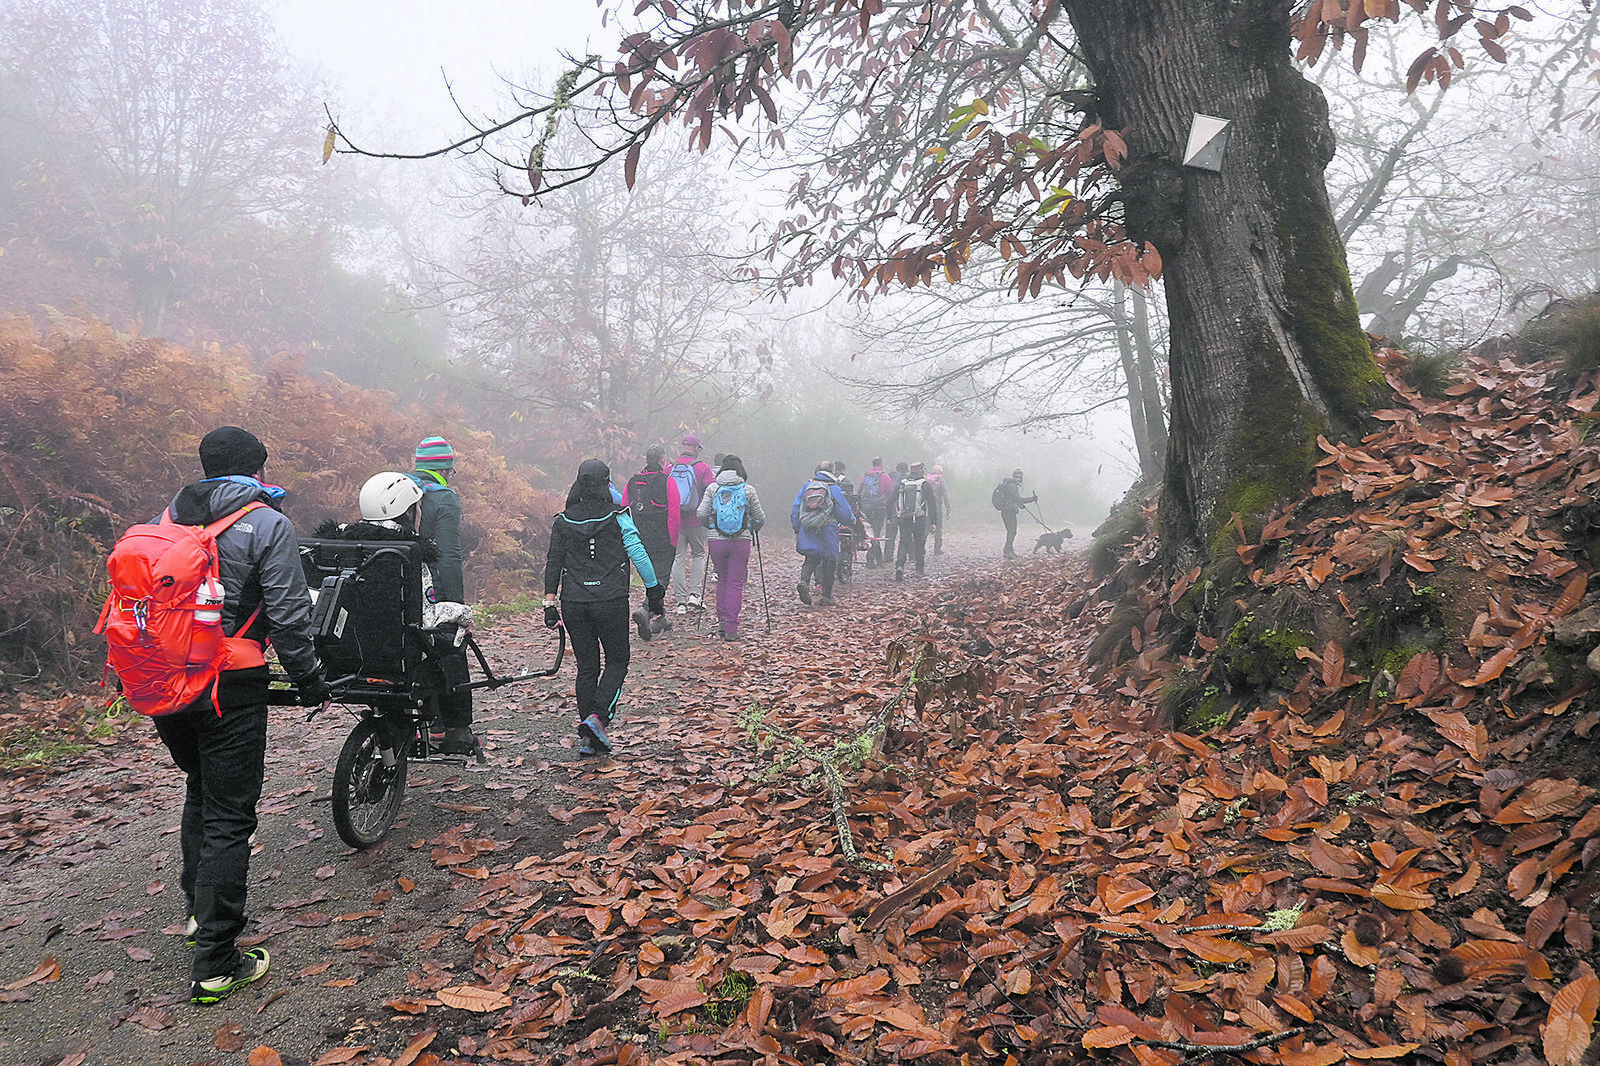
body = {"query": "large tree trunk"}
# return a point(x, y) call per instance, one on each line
point(1266, 351)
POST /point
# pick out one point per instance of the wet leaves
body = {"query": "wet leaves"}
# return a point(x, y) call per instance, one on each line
point(1358, 864)
point(47, 970)
point(228, 1037)
point(470, 998)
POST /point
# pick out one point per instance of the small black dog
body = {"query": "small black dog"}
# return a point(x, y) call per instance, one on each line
point(1051, 541)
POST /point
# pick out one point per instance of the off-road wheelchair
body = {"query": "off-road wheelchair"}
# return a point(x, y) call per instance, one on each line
point(386, 665)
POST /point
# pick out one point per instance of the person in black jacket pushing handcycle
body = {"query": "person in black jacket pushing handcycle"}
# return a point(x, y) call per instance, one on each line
point(591, 543)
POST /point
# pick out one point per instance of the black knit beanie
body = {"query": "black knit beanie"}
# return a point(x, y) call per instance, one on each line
point(231, 450)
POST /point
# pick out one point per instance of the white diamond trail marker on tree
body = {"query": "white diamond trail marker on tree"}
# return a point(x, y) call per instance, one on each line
point(1208, 140)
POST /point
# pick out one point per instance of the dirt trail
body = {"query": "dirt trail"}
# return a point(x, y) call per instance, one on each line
point(89, 858)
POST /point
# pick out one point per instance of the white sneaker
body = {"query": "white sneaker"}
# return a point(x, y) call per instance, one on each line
point(695, 604)
point(682, 609)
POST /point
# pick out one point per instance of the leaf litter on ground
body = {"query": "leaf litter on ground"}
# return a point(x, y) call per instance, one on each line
point(1373, 856)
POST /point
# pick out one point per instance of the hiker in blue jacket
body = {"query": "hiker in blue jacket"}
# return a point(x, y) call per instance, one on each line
point(591, 543)
point(819, 509)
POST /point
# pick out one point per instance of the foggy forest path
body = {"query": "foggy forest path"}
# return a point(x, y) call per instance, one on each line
point(91, 881)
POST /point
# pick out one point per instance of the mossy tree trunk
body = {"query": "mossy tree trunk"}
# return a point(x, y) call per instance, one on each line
point(1267, 350)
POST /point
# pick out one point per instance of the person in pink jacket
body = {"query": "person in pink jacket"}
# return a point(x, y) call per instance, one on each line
point(874, 493)
point(693, 476)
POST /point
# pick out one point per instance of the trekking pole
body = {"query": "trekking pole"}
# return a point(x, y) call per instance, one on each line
point(1036, 518)
point(705, 581)
point(761, 568)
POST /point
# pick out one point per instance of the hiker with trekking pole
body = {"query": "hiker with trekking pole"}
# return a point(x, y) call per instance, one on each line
point(733, 514)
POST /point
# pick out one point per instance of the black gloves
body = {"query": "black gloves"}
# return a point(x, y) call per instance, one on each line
point(552, 617)
point(655, 599)
point(314, 691)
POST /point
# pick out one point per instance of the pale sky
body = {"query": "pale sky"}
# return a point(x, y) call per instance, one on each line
point(388, 61)
point(387, 64)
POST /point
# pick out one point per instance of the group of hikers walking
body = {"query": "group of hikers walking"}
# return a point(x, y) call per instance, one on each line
point(693, 514)
point(905, 504)
point(668, 522)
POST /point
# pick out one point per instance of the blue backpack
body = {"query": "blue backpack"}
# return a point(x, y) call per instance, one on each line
point(683, 476)
point(728, 509)
point(871, 489)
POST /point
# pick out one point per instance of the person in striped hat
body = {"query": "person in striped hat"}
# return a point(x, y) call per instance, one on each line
point(440, 522)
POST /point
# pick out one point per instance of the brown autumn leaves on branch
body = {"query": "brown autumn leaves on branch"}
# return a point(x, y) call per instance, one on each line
point(995, 158)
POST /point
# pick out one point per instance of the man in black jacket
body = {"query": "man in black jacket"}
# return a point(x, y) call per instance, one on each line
point(914, 507)
point(222, 749)
point(651, 496)
point(1011, 501)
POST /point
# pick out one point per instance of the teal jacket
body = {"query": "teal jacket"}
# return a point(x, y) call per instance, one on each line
point(440, 522)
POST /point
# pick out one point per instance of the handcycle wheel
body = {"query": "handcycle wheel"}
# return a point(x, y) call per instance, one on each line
point(847, 551)
point(366, 793)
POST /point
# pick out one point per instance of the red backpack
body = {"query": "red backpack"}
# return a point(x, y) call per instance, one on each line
point(163, 619)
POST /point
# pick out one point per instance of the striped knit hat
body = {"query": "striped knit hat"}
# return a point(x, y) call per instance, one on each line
point(435, 453)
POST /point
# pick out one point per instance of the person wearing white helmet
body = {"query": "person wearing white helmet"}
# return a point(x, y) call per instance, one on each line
point(386, 497)
point(390, 503)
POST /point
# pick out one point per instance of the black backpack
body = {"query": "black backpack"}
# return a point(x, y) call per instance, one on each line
point(647, 497)
point(999, 497)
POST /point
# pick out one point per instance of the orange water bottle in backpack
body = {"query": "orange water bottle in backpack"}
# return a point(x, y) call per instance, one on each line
point(207, 635)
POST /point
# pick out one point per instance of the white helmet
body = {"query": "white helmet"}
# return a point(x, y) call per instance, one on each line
point(388, 495)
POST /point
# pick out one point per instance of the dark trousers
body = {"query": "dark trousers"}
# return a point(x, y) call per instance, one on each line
point(599, 630)
point(913, 543)
point(224, 758)
point(662, 554)
point(1010, 519)
point(822, 567)
point(455, 708)
point(876, 518)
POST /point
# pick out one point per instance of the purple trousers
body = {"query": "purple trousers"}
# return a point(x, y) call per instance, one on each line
point(731, 560)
